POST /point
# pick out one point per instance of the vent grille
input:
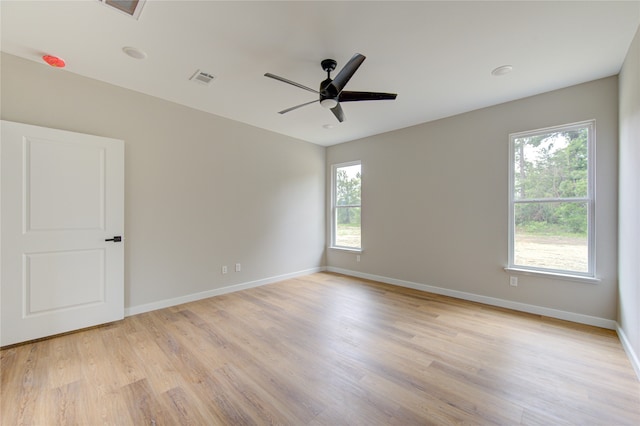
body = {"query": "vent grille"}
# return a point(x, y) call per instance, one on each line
point(202, 77)
point(130, 7)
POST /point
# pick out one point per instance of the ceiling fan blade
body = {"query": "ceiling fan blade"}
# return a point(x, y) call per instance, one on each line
point(345, 74)
point(284, 111)
point(293, 83)
point(337, 111)
point(365, 96)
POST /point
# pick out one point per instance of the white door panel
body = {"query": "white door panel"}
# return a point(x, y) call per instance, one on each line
point(58, 280)
point(52, 193)
point(62, 197)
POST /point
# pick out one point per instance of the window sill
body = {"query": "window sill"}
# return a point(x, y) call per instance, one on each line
point(351, 250)
point(545, 274)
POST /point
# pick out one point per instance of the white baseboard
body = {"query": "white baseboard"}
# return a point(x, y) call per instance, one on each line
point(633, 357)
point(517, 306)
point(139, 309)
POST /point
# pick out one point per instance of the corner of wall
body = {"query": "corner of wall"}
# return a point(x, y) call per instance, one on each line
point(626, 345)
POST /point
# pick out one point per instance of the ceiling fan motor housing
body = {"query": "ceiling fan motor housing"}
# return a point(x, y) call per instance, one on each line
point(328, 91)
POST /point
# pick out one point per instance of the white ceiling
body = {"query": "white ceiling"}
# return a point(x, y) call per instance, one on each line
point(437, 56)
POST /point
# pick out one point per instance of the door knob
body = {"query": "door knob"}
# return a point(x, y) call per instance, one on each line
point(115, 239)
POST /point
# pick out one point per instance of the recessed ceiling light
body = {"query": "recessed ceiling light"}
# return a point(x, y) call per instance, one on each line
point(328, 126)
point(502, 70)
point(134, 52)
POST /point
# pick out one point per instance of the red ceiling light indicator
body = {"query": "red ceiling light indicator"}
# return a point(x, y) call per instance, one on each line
point(54, 61)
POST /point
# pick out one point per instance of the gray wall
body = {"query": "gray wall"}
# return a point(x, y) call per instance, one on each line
point(435, 201)
point(629, 252)
point(201, 191)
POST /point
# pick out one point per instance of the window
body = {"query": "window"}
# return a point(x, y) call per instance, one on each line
point(347, 185)
point(551, 216)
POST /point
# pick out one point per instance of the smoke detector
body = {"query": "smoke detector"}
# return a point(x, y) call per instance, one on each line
point(202, 77)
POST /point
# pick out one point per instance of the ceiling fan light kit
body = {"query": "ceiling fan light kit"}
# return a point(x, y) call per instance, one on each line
point(331, 91)
point(329, 103)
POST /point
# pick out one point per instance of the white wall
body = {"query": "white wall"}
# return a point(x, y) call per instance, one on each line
point(629, 251)
point(201, 191)
point(435, 201)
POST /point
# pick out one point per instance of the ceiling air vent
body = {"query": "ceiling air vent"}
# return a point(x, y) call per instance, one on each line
point(202, 77)
point(130, 7)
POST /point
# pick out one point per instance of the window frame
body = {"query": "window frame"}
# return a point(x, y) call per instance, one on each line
point(334, 207)
point(590, 200)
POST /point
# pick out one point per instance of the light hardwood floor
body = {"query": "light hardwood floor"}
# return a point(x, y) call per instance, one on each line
point(324, 349)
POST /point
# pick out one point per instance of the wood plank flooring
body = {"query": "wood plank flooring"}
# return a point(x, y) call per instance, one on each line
point(323, 349)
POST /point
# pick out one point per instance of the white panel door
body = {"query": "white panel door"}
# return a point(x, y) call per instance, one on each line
point(62, 198)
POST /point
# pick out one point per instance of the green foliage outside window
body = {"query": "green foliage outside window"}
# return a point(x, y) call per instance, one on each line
point(552, 166)
point(348, 197)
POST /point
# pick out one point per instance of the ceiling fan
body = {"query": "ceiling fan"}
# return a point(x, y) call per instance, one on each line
point(331, 92)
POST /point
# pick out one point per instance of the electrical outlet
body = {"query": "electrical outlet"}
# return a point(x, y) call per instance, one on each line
point(238, 267)
point(513, 281)
point(357, 258)
point(224, 269)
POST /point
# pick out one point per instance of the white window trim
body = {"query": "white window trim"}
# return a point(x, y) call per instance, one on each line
point(590, 275)
point(556, 275)
point(333, 212)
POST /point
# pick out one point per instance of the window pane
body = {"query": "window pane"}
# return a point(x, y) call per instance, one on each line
point(552, 236)
point(551, 165)
point(348, 227)
point(348, 181)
